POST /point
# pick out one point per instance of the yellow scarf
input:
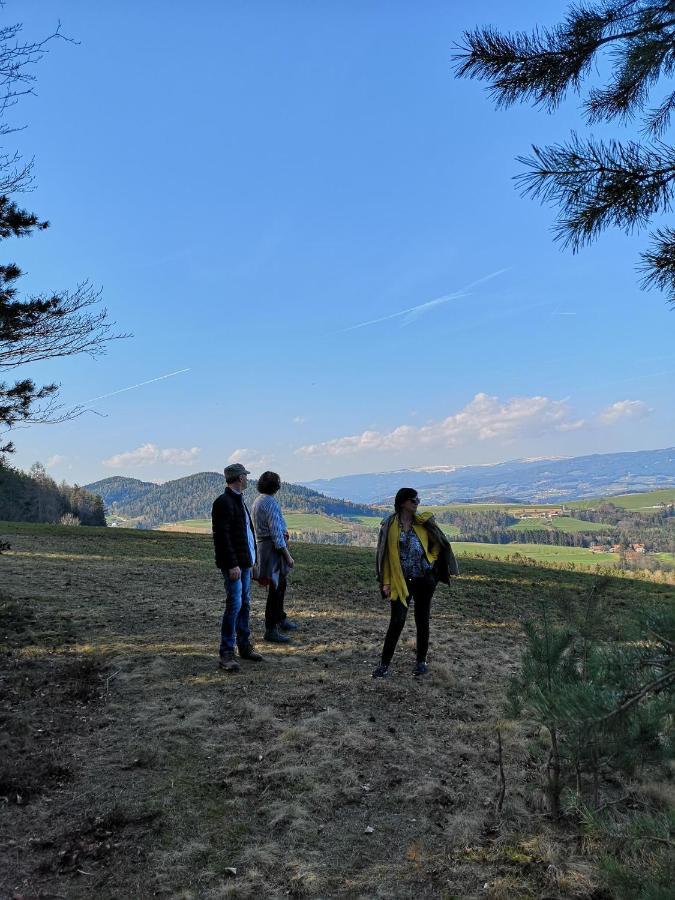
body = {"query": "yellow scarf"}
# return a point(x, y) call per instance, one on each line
point(392, 573)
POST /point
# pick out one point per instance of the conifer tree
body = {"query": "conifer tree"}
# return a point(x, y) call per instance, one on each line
point(595, 184)
point(606, 706)
point(48, 326)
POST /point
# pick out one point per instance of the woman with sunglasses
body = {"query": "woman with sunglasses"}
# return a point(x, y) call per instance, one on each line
point(413, 554)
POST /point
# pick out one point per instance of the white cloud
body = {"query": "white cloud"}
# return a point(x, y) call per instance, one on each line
point(484, 418)
point(56, 460)
point(573, 426)
point(299, 420)
point(150, 453)
point(252, 459)
point(624, 409)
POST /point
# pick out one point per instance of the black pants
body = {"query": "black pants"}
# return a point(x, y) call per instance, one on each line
point(274, 608)
point(421, 591)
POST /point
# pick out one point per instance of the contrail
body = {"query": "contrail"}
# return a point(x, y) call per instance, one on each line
point(407, 312)
point(133, 386)
point(486, 278)
point(414, 311)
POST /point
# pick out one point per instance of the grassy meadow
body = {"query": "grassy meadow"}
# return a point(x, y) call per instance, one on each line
point(580, 557)
point(561, 523)
point(536, 520)
point(303, 523)
point(133, 767)
point(646, 500)
point(296, 522)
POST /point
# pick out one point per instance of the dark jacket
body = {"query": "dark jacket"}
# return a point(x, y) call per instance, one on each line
point(228, 522)
point(444, 567)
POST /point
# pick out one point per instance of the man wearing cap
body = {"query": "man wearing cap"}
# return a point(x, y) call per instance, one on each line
point(234, 543)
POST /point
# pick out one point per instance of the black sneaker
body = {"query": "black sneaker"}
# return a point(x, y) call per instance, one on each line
point(421, 668)
point(274, 636)
point(380, 671)
point(287, 625)
point(250, 654)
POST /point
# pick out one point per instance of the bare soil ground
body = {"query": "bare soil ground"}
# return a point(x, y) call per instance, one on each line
point(132, 767)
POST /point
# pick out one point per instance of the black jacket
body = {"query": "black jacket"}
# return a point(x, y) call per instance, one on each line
point(228, 521)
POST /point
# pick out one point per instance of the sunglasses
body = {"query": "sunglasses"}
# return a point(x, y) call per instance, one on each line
point(415, 500)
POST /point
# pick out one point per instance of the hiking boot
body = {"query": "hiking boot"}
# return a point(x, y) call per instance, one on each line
point(287, 625)
point(274, 636)
point(228, 661)
point(380, 671)
point(249, 653)
point(421, 668)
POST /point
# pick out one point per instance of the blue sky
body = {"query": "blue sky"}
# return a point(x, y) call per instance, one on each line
point(251, 182)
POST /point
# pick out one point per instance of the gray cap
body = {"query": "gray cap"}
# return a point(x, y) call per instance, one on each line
point(234, 470)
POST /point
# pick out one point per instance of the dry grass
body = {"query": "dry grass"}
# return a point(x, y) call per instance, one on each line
point(143, 771)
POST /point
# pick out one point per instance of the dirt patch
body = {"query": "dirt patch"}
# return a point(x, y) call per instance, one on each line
point(299, 776)
point(43, 696)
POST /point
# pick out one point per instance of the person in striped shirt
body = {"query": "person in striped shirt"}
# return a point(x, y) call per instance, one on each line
point(274, 558)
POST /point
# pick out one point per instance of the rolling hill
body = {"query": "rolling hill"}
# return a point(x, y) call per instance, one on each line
point(150, 504)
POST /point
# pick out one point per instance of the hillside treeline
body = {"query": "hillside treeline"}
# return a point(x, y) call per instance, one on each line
point(36, 497)
point(192, 497)
point(296, 498)
point(357, 536)
point(118, 489)
point(468, 520)
point(655, 528)
point(655, 539)
point(609, 514)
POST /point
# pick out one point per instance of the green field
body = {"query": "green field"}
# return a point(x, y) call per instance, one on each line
point(579, 556)
point(543, 553)
point(666, 558)
point(560, 523)
point(295, 522)
point(314, 522)
point(203, 524)
point(304, 522)
point(368, 521)
point(647, 500)
point(467, 507)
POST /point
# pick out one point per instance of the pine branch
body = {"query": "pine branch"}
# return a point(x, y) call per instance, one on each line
point(17, 222)
point(594, 184)
point(653, 687)
point(658, 264)
point(658, 119)
point(628, 91)
point(597, 184)
point(663, 640)
point(540, 67)
point(522, 67)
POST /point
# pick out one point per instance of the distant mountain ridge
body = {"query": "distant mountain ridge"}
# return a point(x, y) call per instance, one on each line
point(532, 481)
point(191, 497)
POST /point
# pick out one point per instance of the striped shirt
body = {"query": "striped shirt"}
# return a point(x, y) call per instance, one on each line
point(268, 520)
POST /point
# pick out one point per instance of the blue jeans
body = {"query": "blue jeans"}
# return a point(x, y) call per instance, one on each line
point(235, 628)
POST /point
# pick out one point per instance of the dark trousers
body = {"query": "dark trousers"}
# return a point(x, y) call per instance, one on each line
point(274, 608)
point(421, 591)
